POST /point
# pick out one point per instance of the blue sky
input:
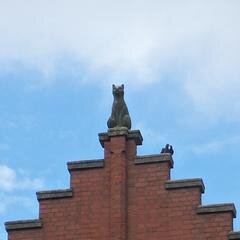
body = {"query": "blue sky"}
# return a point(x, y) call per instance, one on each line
point(179, 62)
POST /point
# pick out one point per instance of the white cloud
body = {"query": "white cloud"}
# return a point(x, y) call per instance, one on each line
point(197, 41)
point(7, 177)
point(12, 184)
point(17, 180)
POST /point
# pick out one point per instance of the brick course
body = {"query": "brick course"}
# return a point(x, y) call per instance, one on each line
point(126, 197)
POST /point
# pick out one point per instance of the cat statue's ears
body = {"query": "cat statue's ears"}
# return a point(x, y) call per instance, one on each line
point(113, 86)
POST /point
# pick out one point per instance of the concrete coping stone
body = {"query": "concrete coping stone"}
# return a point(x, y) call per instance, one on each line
point(53, 194)
point(234, 235)
point(217, 208)
point(155, 158)
point(185, 183)
point(23, 224)
point(121, 131)
point(85, 164)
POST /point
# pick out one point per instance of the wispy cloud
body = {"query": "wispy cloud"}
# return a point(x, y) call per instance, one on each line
point(150, 134)
point(7, 124)
point(9, 200)
point(216, 146)
point(12, 184)
point(23, 120)
point(11, 179)
point(4, 147)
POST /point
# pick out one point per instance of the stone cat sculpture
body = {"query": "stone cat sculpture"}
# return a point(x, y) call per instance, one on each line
point(120, 116)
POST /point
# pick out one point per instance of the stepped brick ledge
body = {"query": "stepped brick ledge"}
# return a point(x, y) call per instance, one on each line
point(51, 194)
point(217, 208)
point(155, 158)
point(185, 183)
point(23, 224)
point(234, 235)
point(85, 164)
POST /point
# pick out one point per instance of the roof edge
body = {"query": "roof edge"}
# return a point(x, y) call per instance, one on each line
point(234, 235)
point(85, 164)
point(155, 158)
point(217, 208)
point(185, 183)
point(53, 194)
point(23, 224)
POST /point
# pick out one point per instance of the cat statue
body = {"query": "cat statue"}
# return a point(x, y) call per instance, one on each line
point(120, 116)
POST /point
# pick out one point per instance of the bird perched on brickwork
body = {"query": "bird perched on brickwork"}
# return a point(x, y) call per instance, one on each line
point(168, 149)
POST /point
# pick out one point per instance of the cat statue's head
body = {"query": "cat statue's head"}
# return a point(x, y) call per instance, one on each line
point(118, 91)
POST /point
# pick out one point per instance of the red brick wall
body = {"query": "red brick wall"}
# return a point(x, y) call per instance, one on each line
point(33, 234)
point(126, 201)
